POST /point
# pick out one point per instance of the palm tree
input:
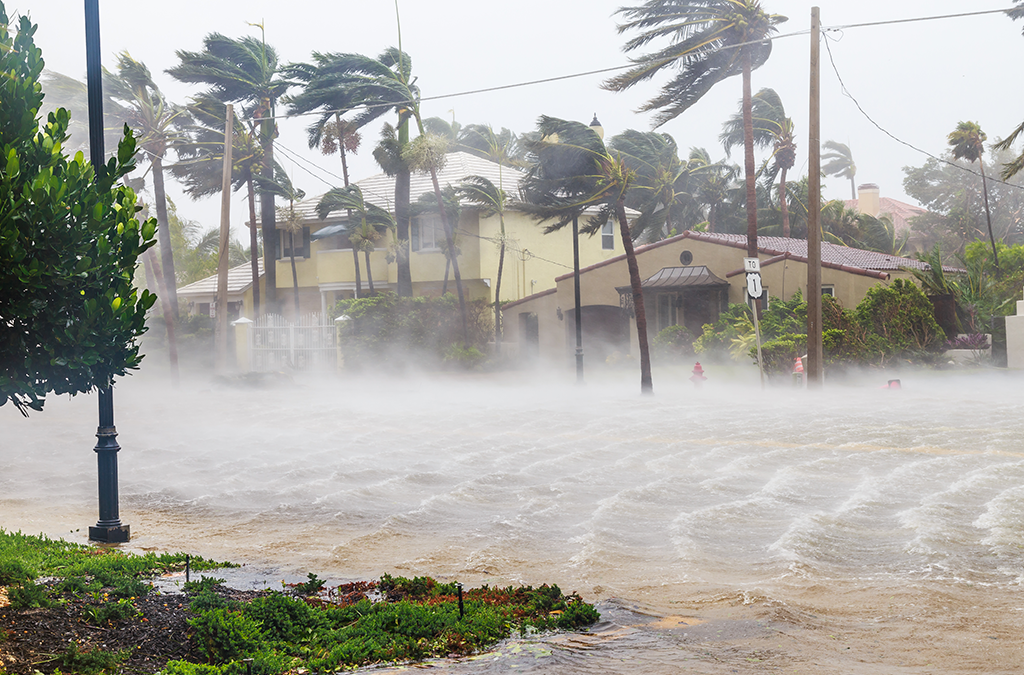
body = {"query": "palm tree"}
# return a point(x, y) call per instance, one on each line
point(244, 71)
point(968, 142)
point(501, 147)
point(710, 40)
point(772, 129)
point(712, 184)
point(491, 200)
point(663, 189)
point(290, 219)
point(373, 220)
point(572, 170)
point(839, 163)
point(201, 161)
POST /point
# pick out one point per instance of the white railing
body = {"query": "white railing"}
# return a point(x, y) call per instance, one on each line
point(276, 344)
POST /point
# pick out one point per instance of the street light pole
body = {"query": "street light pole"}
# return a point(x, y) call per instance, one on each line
point(579, 310)
point(109, 527)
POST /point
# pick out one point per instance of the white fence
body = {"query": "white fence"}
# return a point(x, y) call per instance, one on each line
point(276, 344)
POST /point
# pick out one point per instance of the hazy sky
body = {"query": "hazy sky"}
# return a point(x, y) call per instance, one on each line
point(915, 79)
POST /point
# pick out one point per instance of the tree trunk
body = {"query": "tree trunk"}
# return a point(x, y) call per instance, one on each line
point(369, 274)
point(269, 216)
point(497, 290)
point(402, 219)
point(254, 250)
point(784, 203)
point(988, 217)
point(165, 307)
point(646, 384)
point(166, 251)
point(853, 189)
point(447, 269)
point(355, 261)
point(748, 160)
point(295, 276)
point(454, 259)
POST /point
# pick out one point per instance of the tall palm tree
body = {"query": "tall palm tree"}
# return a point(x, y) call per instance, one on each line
point(572, 170)
point(712, 184)
point(501, 147)
point(491, 200)
point(968, 142)
point(245, 71)
point(364, 233)
point(772, 129)
point(839, 162)
point(710, 40)
point(200, 166)
point(291, 221)
point(663, 189)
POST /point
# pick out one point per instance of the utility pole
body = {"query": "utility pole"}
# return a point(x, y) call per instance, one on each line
point(814, 351)
point(221, 330)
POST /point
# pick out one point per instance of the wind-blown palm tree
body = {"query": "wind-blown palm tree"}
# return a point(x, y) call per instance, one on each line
point(839, 163)
point(968, 142)
point(710, 40)
point(491, 200)
point(244, 71)
point(572, 170)
point(364, 233)
point(663, 189)
point(712, 183)
point(290, 219)
point(200, 166)
point(772, 129)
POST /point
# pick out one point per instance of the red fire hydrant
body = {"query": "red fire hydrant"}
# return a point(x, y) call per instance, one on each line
point(698, 374)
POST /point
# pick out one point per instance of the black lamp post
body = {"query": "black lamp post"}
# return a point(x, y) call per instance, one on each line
point(599, 130)
point(108, 528)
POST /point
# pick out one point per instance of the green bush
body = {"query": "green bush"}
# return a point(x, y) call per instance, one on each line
point(14, 570)
point(223, 635)
point(899, 322)
point(674, 342)
point(28, 594)
point(282, 618)
point(385, 330)
point(89, 661)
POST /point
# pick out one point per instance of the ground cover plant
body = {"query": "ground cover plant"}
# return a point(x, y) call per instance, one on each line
point(73, 609)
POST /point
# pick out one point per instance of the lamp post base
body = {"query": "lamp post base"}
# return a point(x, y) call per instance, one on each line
point(111, 534)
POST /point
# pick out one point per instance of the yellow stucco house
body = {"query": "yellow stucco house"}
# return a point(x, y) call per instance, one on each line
point(326, 271)
point(688, 280)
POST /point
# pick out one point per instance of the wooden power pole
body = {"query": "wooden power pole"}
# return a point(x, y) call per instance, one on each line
point(814, 351)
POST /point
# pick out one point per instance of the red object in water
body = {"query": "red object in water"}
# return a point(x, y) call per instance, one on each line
point(698, 374)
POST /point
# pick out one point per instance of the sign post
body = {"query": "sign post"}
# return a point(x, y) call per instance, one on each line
point(752, 266)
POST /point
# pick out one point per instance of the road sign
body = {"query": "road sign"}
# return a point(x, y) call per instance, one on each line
point(754, 289)
point(751, 265)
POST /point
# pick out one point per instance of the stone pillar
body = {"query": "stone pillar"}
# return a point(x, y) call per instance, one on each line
point(1015, 339)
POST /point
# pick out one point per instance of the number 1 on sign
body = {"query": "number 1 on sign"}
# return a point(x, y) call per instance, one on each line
point(754, 289)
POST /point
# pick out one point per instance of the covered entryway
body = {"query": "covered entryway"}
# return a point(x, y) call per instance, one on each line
point(688, 296)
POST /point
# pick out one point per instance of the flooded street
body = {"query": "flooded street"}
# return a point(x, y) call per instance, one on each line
point(725, 529)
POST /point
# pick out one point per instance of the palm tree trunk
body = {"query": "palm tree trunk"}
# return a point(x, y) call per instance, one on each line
point(447, 270)
point(295, 276)
point(853, 188)
point(988, 217)
point(646, 384)
point(369, 274)
point(497, 291)
point(454, 259)
point(355, 261)
point(254, 250)
point(166, 251)
point(268, 215)
point(784, 203)
point(402, 218)
point(165, 307)
point(748, 159)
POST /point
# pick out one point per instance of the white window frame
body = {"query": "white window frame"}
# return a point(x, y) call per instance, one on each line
point(765, 300)
point(608, 236)
point(429, 232)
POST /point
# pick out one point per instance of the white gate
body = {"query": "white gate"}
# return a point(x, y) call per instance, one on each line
point(275, 344)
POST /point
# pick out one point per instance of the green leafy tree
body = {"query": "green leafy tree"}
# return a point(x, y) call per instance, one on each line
point(491, 200)
point(244, 71)
point(70, 315)
point(709, 41)
point(572, 171)
point(968, 142)
point(839, 162)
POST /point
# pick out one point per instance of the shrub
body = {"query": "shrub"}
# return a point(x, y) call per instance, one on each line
point(282, 618)
point(89, 661)
point(224, 635)
point(674, 342)
point(28, 594)
point(900, 323)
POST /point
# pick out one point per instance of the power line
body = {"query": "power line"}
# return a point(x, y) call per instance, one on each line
point(846, 92)
point(915, 19)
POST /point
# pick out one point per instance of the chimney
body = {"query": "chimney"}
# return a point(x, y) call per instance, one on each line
point(868, 200)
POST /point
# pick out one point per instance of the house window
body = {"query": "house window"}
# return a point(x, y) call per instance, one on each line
point(828, 290)
point(608, 236)
point(285, 240)
point(427, 233)
point(667, 303)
